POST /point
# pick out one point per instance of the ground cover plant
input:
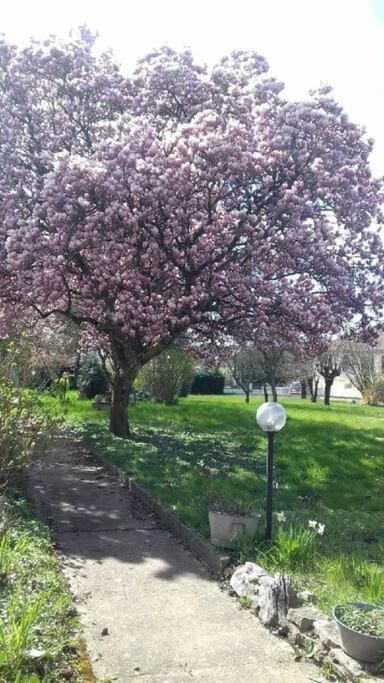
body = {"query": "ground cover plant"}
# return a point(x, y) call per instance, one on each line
point(39, 640)
point(328, 470)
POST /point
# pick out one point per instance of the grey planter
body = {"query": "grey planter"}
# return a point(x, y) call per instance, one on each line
point(359, 645)
point(227, 530)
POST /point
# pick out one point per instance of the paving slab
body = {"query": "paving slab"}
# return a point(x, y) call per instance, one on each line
point(150, 610)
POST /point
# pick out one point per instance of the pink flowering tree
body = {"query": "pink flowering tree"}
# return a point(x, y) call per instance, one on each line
point(178, 199)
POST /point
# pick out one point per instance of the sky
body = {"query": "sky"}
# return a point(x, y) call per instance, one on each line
point(306, 42)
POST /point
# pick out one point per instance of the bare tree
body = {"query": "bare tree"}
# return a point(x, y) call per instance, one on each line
point(302, 367)
point(313, 385)
point(244, 368)
point(251, 364)
point(330, 365)
point(273, 367)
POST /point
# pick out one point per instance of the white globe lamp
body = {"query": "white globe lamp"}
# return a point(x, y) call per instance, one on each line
point(271, 417)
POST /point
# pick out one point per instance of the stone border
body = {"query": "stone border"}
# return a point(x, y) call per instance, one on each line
point(214, 559)
point(311, 633)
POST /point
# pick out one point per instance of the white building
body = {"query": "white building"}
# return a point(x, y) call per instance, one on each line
point(342, 386)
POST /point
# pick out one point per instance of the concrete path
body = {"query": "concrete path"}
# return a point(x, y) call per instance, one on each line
point(163, 617)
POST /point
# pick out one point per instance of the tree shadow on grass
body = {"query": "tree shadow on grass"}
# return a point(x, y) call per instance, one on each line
point(340, 467)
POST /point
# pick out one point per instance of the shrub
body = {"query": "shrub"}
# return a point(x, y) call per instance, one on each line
point(168, 375)
point(24, 425)
point(92, 378)
point(209, 383)
point(374, 394)
point(138, 396)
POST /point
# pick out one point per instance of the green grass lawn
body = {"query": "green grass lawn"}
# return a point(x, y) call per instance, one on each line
point(329, 467)
point(39, 640)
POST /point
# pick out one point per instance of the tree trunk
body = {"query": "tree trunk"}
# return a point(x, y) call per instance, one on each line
point(77, 369)
point(303, 386)
point(265, 393)
point(118, 419)
point(315, 391)
point(246, 395)
point(310, 387)
point(327, 391)
point(274, 392)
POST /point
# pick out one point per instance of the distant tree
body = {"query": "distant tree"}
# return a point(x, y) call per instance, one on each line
point(301, 366)
point(313, 385)
point(330, 365)
point(244, 368)
point(268, 366)
point(55, 348)
point(272, 367)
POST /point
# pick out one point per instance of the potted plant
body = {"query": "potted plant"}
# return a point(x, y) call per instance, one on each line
point(361, 628)
point(231, 522)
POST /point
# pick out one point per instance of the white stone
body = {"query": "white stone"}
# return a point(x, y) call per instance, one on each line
point(327, 632)
point(349, 666)
point(246, 579)
point(304, 617)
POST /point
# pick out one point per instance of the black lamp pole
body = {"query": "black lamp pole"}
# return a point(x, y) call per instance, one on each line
point(268, 504)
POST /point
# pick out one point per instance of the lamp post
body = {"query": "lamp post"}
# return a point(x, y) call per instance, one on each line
point(271, 417)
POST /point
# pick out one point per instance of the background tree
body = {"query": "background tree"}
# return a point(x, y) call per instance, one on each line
point(313, 385)
point(330, 365)
point(178, 199)
point(301, 366)
point(243, 366)
point(272, 368)
point(55, 350)
point(166, 376)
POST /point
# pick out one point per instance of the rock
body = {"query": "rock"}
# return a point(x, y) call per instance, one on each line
point(305, 617)
point(327, 632)
point(275, 599)
point(319, 653)
point(245, 579)
point(292, 600)
point(350, 668)
point(292, 633)
point(301, 640)
point(105, 632)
